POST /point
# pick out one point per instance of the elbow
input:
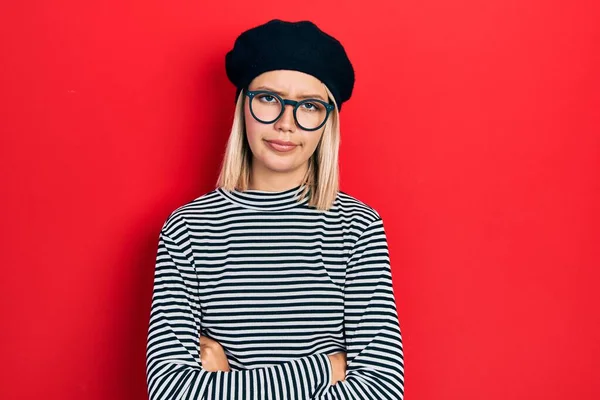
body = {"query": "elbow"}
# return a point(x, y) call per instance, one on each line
point(167, 380)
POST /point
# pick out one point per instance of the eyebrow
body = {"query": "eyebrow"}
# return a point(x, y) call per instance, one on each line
point(283, 94)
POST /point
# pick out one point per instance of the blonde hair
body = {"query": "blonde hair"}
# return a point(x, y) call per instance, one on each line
point(322, 177)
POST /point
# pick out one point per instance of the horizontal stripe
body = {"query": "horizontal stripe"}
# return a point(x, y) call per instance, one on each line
point(280, 285)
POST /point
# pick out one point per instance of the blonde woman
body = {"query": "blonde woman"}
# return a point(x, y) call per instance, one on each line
point(277, 285)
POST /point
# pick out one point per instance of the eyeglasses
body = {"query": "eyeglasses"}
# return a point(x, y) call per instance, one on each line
point(267, 107)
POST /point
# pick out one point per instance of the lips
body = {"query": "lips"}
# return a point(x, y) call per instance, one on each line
point(281, 146)
point(282, 143)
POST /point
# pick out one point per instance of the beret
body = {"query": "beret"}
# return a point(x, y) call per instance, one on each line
point(299, 46)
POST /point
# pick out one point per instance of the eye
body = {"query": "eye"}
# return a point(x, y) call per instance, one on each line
point(311, 106)
point(267, 98)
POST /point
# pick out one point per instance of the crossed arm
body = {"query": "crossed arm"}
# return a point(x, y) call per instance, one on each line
point(375, 366)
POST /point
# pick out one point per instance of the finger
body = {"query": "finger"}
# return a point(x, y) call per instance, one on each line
point(208, 342)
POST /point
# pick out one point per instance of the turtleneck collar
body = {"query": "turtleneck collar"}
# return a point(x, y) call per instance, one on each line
point(265, 200)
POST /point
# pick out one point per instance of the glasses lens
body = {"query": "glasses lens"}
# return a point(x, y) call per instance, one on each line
point(311, 114)
point(266, 107)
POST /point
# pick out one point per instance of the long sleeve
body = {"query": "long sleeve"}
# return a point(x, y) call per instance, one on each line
point(375, 360)
point(173, 364)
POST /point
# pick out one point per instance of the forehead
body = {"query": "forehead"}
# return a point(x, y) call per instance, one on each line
point(290, 83)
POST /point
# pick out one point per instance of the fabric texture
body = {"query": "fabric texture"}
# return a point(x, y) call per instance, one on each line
point(279, 284)
point(299, 46)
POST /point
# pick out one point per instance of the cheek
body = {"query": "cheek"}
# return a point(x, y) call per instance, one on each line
point(313, 141)
point(253, 128)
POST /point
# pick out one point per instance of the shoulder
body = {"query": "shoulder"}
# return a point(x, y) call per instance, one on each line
point(196, 209)
point(356, 210)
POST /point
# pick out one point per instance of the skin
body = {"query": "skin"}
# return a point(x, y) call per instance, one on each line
point(275, 171)
point(272, 170)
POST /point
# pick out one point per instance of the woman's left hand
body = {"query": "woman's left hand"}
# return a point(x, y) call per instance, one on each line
point(212, 355)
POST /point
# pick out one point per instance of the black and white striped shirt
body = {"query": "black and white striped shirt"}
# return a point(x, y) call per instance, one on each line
point(279, 285)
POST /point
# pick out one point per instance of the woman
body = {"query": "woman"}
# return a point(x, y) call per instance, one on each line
point(276, 285)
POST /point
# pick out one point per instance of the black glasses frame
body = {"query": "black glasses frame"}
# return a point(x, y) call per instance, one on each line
point(288, 102)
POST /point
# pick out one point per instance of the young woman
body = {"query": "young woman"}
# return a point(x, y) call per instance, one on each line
point(276, 285)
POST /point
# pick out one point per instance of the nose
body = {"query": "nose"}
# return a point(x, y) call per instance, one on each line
point(286, 121)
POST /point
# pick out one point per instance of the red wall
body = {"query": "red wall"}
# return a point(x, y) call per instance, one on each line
point(474, 129)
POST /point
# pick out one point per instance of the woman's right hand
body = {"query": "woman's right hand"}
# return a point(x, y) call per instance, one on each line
point(338, 366)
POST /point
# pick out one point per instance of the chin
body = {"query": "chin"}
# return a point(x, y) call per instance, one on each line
point(277, 163)
point(280, 167)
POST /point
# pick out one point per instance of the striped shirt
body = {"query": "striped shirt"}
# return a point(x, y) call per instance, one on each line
point(280, 285)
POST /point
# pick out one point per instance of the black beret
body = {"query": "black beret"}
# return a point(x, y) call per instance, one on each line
point(299, 46)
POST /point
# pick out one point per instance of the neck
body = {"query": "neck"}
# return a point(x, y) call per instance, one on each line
point(274, 181)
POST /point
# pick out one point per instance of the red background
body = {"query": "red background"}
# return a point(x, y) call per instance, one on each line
point(474, 129)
